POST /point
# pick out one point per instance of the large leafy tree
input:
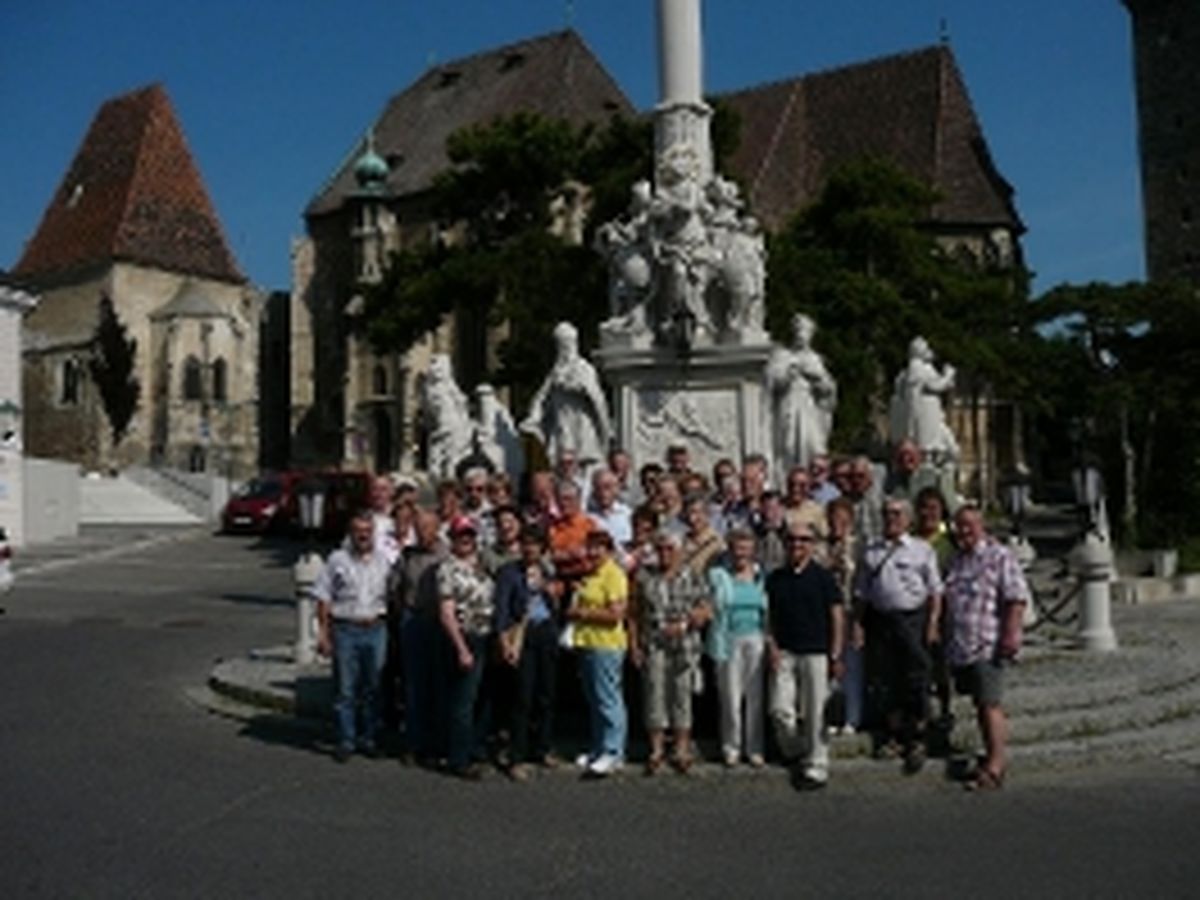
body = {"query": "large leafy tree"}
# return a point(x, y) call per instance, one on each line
point(1120, 363)
point(112, 369)
point(863, 264)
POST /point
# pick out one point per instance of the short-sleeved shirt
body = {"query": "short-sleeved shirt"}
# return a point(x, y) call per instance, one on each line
point(617, 520)
point(355, 587)
point(979, 585)
point(897, 576)
point(667, 600)
point(471, 588)
point(607, 585)
point(799, 604)
point(408, 575)
point(521, 592)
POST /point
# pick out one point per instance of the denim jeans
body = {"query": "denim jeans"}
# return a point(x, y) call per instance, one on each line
point(418, 637)
point(537, 676)
point(358, 655)
point(463, 690)
point(600, 671)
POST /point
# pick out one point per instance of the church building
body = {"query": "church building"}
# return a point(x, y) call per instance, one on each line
point(131, 222)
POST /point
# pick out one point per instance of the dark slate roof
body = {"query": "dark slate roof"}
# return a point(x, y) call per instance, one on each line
point(132, 193)
point(191, 301)
point(555, 75)
point(912, 109)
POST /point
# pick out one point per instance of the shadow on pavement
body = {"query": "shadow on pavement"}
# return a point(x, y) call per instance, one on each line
point(258, 599)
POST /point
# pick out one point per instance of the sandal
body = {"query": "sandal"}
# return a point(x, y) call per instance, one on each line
point(654, 765)
point(985, 780)
point(682, 764)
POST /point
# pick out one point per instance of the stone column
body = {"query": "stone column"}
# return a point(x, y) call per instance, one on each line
point(681, 119)
point(680, 71)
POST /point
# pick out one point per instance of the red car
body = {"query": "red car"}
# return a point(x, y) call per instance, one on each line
point(260, 505)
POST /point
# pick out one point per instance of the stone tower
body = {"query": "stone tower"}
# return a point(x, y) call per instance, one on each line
point(1166, 43)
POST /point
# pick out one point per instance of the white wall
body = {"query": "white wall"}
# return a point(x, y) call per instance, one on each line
point(51, 501)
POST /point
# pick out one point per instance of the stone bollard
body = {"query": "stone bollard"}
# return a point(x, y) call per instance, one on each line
point(1092, 560)
point(305, 573)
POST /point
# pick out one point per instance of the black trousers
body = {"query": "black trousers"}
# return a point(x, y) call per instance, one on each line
point(533, 705)
point(899, 663)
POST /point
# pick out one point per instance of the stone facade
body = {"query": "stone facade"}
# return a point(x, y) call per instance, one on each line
point(214, 427)
point(131, 221)
point(1166, 43)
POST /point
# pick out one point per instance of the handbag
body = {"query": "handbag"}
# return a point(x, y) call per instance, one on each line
point(835, 707)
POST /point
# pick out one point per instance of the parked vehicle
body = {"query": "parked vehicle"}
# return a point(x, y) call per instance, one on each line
point(7, 579)
point(258, 506)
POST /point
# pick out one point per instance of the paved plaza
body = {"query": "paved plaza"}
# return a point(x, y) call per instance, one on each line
point(117, 784)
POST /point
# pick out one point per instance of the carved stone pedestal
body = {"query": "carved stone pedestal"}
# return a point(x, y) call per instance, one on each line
point(712, 401)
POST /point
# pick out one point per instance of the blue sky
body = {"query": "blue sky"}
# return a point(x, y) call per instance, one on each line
point(272, 94)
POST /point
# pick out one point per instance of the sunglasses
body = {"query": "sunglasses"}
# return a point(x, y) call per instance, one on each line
point(801, 540)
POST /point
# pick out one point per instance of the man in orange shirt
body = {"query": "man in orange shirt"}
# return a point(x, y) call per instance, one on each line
point(569, 533)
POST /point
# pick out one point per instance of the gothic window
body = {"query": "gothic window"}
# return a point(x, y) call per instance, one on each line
point(220, 378)
point(379, 381)
point(193, 379)
point(68, 383)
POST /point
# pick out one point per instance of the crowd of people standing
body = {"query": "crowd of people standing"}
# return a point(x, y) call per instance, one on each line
point(845, 600)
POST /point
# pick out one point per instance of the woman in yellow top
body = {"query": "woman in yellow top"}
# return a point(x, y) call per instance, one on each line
point(597, 614)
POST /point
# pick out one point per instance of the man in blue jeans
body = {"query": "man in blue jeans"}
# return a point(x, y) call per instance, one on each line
point(351, 594)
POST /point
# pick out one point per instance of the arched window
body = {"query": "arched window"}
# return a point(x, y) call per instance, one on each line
point(193, 379)
point(68, 383)
point(379, 380)
point(219, 381)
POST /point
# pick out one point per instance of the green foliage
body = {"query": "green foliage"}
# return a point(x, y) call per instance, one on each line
point(111, 367)
point(1122, 360)
point(862, 264)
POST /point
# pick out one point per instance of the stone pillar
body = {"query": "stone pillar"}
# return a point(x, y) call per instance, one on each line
point(1093, 563)
point(682, 118)
point(680, 72)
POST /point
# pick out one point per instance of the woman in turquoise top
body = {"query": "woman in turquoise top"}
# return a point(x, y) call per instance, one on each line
point(735, 643)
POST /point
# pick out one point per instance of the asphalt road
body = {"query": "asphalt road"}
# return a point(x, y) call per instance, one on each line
point(114, 784)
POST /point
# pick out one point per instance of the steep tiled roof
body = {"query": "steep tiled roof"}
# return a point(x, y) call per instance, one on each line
point(132, 193)
point(555, 75)
point(912, 109)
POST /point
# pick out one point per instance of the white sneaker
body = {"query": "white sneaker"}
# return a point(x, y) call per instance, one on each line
point(605, 765)
point(583, 761)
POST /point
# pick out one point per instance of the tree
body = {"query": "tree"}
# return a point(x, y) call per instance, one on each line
point(1120, 360)
point(863, 264)
point(111, 367)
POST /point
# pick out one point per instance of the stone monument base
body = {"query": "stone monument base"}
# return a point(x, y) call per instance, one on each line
point(711, 400)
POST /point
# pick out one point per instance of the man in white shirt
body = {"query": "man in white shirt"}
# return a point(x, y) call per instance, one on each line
point(607, 510)
point(351, 594)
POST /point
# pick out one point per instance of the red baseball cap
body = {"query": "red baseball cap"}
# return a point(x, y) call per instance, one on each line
point(462, 525)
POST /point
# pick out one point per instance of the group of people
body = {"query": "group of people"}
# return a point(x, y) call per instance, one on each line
point(843, 600)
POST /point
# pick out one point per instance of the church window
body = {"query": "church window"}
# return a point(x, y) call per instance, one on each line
point(69, 383)
point(220, 378)
point(379, 380)
point(193, 379)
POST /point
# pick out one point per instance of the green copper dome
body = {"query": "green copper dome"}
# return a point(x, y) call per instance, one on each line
point(371, 169)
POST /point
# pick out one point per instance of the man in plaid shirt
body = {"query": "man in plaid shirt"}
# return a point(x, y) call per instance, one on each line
point(985, 595)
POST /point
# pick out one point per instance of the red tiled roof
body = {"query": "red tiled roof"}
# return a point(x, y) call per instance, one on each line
point(555, 75)
point(912, 109)
point(132, 193)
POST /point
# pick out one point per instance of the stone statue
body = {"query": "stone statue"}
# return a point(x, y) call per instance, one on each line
point(916, 408)
point(804, 396)
point(570, 411)
point(496, 435)
point(450, 429)
point(683, 248)
point(626, 246)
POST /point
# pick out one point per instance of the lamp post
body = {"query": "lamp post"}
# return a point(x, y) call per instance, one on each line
point(311, 496)
point(1092, 561)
